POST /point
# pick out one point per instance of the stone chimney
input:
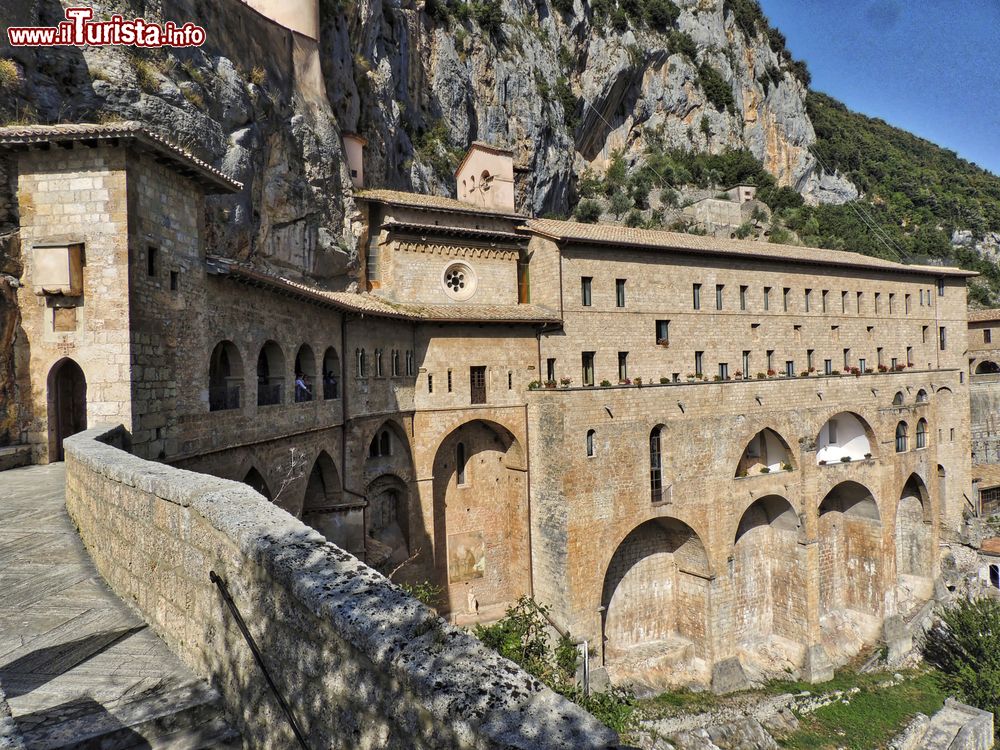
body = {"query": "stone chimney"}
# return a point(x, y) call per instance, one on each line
point(354, 148)
point(485, 178)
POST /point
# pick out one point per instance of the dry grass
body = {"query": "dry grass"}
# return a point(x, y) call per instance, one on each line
point(258, 76)
point(145, 75)
point(10, 77)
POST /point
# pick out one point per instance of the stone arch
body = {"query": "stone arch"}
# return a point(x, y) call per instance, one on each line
point(655, 601)
point(331, 374)
point(845, 434)
point(270, 374)
point(922, 396)
point(323, 488)
point(256, 481)
point(305, 366)
point(767, 449)
point(480, 526)
point(902, 437)
point(387, 521)
point(67, 404)
point(914, 542)
point(225, 377)
point(898, 399)
point(850, 568)
point(387, 441)
point(768, 584)
point(986, 367)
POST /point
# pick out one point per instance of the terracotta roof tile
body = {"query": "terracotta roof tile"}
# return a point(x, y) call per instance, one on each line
point(23, 135)
point(662, 240)
point(368, 304)
point(978, 316)
point(432, 202)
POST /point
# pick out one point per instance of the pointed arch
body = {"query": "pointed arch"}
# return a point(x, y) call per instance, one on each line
point(256, 481)
point(765, 453)
point(845, 435)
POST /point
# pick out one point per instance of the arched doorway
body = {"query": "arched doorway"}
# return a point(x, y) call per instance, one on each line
point(914, 544)
point(388, 522)
point(987, 368)
point(769, 590)
point(480, 523)
point(850, 569)
point(67, 401)
point(225, 377)
point(655, 606)
point(257, 482)
point(322, 506)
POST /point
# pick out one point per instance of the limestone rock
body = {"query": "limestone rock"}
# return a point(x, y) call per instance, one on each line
point(747, 734)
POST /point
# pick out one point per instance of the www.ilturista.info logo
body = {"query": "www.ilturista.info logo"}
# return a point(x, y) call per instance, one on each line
point(78, 30)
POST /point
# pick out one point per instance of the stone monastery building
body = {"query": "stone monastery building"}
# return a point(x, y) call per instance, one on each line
point(712, 459)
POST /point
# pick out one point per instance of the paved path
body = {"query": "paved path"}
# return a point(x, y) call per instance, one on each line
point(75, 662)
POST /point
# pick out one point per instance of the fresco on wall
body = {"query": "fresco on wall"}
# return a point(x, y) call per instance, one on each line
point(466, 556)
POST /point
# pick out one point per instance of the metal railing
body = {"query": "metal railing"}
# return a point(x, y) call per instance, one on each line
point(241, 624)
point(268, 394)
point(224, 397)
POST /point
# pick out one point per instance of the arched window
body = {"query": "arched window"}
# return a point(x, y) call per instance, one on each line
point(897, 400)
point(460, 463)
point(331, 374)
point(590, 443)
point(901, 437)
point(225, 377)
point(655, 466)
point(921, 396)
point(270, 374)
point(922, 433)
point(395, 363)
point(305, 374)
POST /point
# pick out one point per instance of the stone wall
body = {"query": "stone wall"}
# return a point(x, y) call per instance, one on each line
point(361, 664)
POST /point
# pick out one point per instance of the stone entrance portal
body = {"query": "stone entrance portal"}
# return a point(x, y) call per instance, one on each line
point(67, 405)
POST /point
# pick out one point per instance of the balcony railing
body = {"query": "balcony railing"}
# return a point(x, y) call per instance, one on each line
point(268, 394)
point(331, 389)
point(302, 394)
point(224, 397)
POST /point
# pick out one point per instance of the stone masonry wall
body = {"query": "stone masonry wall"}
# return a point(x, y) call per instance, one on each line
point(361, 664)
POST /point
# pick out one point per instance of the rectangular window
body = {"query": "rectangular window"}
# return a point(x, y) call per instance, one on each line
point(550, 369)
point(859, 303)
point(430, 383)
point(863, 364)
point(784, 298)
point(828, 366)
point(767, 298)
point(174, 281)
point(921, 297)
point(790, 368)
point(809, 359)
point(723, 371)
point(718, 296)
point(588, 368)
point(746, 365)
point(743, 297)
point(942, 338)
point(619, 292)
point(523, 283)
point(892, 300)
point(585, 285)
point(893, 362)
point(477, 384)
point(923, 334)
point(909, 356)
point(510, 380)
point(930, 300)
point(152, 257)
point(770, 359)
point(663, 332)
point(825, 296)
point(843, 302)
point(847, 359)
point(906, 304)
point(878, 299)
point(807, 295)
point(696, 296)
point(940, 287)
point(878, 356)
point(987, 336)
point(698, 356)
point(449, 381)
point(622, 367)
point(831, 430)
point(371, 261)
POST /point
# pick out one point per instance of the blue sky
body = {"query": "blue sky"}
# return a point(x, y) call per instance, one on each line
point(930, 67)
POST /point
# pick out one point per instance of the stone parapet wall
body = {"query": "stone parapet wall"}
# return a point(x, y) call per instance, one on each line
point(361, 664)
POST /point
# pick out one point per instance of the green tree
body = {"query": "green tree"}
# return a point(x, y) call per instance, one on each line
point(620, 203)
point(716, 88)
point(588, 211)
point(661, 14)
point(490, 17)
point(965, 646)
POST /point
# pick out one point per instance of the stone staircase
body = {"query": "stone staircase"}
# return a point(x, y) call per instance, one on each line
point(187, 717)
point(955, 727)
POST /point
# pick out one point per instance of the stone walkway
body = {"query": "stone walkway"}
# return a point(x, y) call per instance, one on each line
point(77, 665)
